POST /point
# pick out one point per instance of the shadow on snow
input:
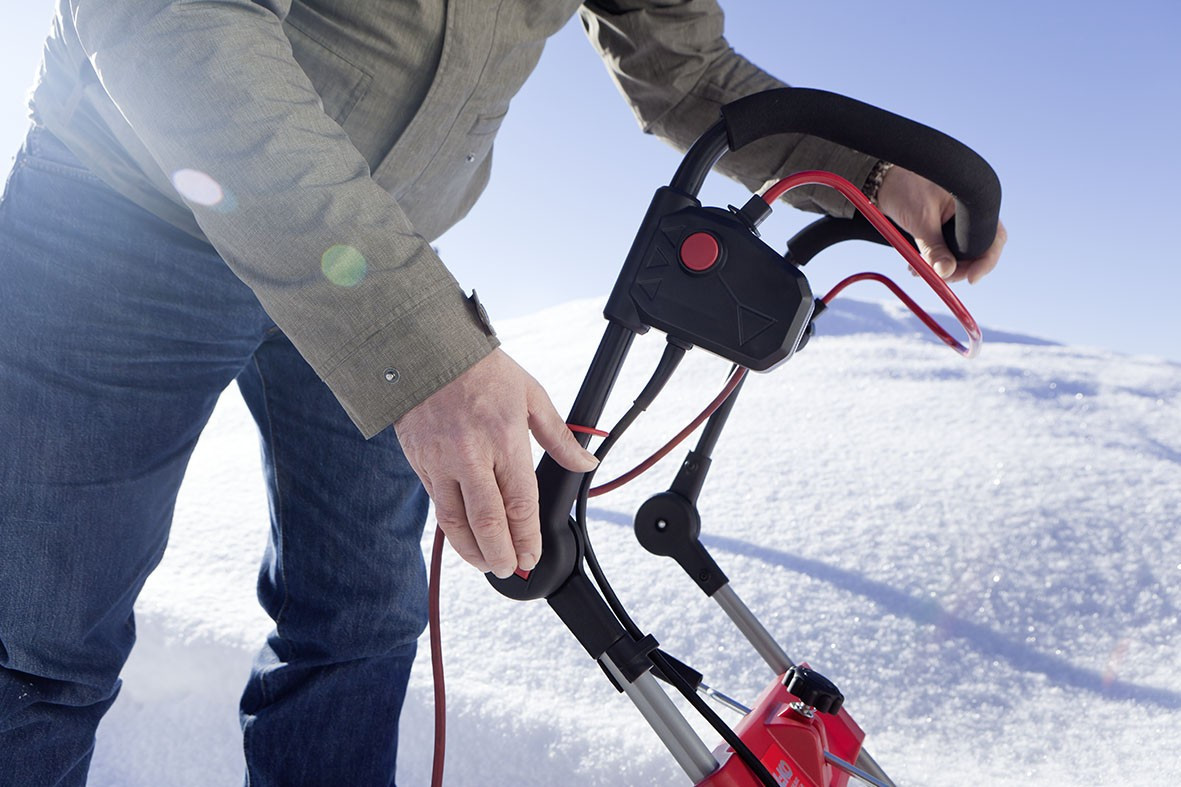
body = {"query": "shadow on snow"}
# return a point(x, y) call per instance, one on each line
point(984, 640)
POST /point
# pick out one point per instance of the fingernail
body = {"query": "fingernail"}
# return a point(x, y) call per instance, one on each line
point(527, 561)
point(944, 268)
point(501, 573)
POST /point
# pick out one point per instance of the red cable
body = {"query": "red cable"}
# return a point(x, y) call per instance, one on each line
point(437, 661)
point(891, 234)
point(586, 430)
point(919, 312)
point(732, 383)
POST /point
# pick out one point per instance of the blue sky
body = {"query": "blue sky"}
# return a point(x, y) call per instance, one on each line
point(1075, 105)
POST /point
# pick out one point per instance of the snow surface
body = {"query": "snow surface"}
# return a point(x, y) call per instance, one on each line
point(982, 554)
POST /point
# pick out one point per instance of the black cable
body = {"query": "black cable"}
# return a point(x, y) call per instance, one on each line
point(673, 354)
point(741, 749)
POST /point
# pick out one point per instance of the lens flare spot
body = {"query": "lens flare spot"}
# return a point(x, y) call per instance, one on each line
point(343, 265)
point(197, 187)
point(1114, 662)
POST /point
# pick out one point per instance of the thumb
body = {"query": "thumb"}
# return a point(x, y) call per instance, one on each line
point(938, 255)
point(554, 436)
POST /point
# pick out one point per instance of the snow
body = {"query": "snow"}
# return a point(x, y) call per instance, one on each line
point(982, 554)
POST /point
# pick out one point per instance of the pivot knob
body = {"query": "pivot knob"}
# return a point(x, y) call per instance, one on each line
point(814, 691)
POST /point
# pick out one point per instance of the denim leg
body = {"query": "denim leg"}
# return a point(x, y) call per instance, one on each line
point(343, 579)
point(117, 333)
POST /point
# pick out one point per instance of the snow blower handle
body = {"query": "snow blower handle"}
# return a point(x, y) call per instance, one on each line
point(876, 132)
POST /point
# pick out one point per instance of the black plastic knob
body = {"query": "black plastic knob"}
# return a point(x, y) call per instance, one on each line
point(813, 689)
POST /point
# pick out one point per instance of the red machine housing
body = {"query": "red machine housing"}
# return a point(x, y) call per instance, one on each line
point(790, 744)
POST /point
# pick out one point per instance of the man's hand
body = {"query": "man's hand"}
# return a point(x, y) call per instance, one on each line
point(469, 443)
point(920, 207)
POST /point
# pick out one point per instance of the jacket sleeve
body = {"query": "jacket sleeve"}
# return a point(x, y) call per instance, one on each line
point(671, 62)
point(214, 92)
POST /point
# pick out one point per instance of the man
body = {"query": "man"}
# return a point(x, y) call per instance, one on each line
point(247, 191)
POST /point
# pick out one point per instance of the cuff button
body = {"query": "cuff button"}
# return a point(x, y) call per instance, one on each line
point(481, 314)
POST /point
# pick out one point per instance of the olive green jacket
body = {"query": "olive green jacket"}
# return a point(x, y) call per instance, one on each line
point(320, 145)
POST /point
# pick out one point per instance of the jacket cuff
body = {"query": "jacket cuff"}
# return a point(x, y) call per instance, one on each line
point(411, 357)
point(852, 165)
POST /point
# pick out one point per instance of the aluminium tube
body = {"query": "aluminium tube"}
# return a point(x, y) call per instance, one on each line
point(753, 630)
point(670, 726)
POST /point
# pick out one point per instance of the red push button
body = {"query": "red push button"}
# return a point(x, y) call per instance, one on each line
point(699, 251)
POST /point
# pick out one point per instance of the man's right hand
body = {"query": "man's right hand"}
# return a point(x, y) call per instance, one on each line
point(921, 208)
point(469, 443)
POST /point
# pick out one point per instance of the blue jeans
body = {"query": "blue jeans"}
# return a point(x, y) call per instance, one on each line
point(117, 334)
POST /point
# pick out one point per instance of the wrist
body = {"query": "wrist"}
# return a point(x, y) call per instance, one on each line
point(873, 182)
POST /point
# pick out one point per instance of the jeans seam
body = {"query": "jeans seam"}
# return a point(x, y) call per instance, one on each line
point(63, 170)
point(282, 540)
point(17, 163)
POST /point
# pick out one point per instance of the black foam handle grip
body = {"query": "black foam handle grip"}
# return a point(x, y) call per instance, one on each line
point(876, 132)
